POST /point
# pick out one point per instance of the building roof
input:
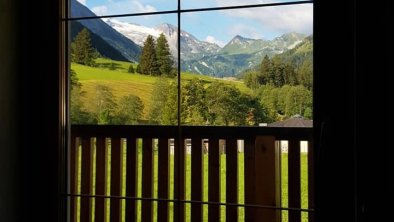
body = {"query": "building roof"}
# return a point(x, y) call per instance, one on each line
point(294, 121)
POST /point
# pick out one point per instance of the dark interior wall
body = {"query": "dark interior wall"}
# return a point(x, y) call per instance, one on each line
point(374, 80)
point(8, 120)
point(353, 113)
point(29, 110)
point(334, 109)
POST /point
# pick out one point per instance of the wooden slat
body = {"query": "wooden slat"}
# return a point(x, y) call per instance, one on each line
point(196, 180)
point(86, 179)
point(131, 179)
point(179, 180)
point(266, 183)
point(147, 179)
point(311, 184)
point(231, 179)
point(73, 177)
point(294, 180)
point(163, 180)
point(213, 179)
point(101, 174)
point(116, 179)
point(249, 177)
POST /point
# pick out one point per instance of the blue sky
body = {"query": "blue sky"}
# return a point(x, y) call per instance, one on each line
point(216, 26)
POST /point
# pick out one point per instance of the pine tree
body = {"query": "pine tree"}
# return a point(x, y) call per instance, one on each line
point(163, 55)
point(266, 71)
point(82, 50)
point(138, 69)
point(131, 69)
point(148, 59)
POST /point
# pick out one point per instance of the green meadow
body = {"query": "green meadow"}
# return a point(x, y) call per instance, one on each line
point(114, 74)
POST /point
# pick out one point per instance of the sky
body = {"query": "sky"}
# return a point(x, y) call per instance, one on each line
point(215, 26)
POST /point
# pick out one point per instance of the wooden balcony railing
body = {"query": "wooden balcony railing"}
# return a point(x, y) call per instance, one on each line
point(103, 178)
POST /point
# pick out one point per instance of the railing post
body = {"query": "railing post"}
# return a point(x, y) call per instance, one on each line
point(147, 179)
point(249, 177)
point(163, 180)
point(266, 182)
point(196, 179)
point(231, 179)
point(101, 175)
point(179, 179)
point(214, 179)
point(131, 178)
point(311, 184)
point(86, 178)
point(116, 178)
point(74, 177)
point(294, 167)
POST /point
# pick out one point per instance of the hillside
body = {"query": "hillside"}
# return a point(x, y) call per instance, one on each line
point(123, 83)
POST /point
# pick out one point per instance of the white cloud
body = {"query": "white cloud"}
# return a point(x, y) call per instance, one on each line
point(212, 39)
point(298, 18)
point(100, 10)
point(83, 2)
point(139, 7)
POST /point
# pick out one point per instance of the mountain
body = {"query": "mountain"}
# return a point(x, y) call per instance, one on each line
point(241, 53)
point(191, 47)
point(99, 44)
point(300, 53)
point(126, 47)
point(242, 45)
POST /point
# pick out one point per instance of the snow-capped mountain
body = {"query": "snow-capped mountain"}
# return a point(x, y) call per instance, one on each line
point(137, 33)
point(191, 47)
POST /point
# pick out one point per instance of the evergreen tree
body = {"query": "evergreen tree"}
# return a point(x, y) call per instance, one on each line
point(131, 69)
point(82, 50)
point(266, 71)
point(163, 54)
point(138, 69)
point(148, 59)
point(278, 72)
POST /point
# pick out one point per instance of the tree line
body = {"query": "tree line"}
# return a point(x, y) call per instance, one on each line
point(155, 59)
point(276, 72)
point(214, 103)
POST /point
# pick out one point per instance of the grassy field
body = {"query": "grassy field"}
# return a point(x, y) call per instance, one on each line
point(304, 186)
point(124, 83)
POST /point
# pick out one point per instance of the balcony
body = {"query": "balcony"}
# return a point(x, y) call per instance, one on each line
point(149, 173)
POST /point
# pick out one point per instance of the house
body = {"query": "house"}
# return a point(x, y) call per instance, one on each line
point(294, 121)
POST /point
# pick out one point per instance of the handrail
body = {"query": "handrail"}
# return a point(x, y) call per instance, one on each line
point(241, 132)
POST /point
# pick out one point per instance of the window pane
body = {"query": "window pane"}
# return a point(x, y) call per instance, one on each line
point(86, 8)
point(246, 66)
point(191, 4)
point(115, 79)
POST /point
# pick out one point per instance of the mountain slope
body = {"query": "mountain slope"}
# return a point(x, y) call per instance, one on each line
point(125, 46)
point(98, 43)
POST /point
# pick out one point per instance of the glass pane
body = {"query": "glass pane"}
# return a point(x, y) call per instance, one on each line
point(191, 4)
point(123, 71)
point(246, 67)
point(87, 8)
